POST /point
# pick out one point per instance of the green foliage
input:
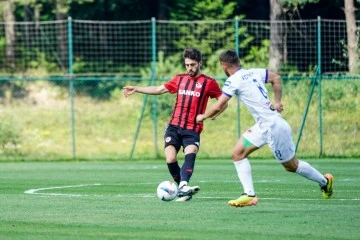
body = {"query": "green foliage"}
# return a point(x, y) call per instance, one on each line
point(205, 37)
point(43, 126)
point(41, 65)
point(297, 2)
point(213, 9)
point(202, 10)
point(9, 135)
point(30, 62)
point(338, 97)
point(163, 107)
point(10, 90)
point(345, 55)
point(290, 70)
point(2, 52)
point(166, 68)
point(335, 93)
point(257, 56)
point(100, 87)
point(213, 67)
point(144, 9)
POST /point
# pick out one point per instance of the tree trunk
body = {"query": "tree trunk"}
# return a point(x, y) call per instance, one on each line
point(352, 42)
point(276, 36)
point(9, 17)
point(27, 18)
point(61, 36)
point(37, 10)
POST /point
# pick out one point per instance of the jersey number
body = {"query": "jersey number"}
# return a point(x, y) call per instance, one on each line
point(263, 91)
point(278, 155)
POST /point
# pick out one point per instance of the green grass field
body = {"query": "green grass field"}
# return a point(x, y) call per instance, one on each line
point(116, 200)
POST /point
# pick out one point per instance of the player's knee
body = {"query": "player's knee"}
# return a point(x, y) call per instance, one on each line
point(291, 165)
point(170, 160)
point(237, 155)
point(290, 168)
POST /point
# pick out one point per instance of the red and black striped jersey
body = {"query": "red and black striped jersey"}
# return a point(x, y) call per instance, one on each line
point(192, 97)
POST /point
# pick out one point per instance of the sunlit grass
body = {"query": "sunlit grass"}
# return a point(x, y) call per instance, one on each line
point(117, 200)
point(108, 128)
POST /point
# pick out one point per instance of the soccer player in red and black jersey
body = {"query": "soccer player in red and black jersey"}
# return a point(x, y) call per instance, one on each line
point(193, 91)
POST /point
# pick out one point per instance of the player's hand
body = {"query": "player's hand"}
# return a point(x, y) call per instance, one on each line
point(278, 107)
point(200, 118)
point(128, 90)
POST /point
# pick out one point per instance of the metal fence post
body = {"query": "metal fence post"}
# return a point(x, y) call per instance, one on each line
point(319, 84)
point(153, 75)
point(153, 66)
point(313, 83)
point(238, 127)
point(71, 86)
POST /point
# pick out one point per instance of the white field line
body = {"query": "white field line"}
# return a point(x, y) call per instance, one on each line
point(37, 191)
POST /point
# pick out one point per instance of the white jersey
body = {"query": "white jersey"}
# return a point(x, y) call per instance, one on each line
point(249, 86)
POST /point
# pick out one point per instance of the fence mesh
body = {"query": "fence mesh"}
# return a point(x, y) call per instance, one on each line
point(123, 48)
point(50, 113)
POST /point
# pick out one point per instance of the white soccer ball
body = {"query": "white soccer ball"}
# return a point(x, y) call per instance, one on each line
point(167, 191)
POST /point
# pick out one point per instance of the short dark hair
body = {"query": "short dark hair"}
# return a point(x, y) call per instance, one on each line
point(229, 57)
point(192, 54)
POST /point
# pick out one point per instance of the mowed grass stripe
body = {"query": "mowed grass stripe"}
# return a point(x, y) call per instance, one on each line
point(49, 191)
point(124, 205)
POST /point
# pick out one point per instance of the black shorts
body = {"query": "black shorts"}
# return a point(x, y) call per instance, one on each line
point(178, 137)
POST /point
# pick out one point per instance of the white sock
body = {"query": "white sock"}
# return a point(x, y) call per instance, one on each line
point(182, 183)
point(306, 170)
point(243, 169)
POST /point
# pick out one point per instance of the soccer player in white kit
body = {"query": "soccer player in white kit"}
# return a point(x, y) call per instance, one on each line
point(248, 85)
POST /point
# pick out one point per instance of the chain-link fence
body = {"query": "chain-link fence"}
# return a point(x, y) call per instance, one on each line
point(61, 86)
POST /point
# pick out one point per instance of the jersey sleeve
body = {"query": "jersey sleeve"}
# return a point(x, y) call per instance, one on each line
point(262, 72)
point(214, 90)
point(172, 85)
point(229, 88)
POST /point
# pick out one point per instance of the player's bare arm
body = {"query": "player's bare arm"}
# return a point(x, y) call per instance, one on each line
point(214, 117)
point(151, 90)
point(215, 110)
point(276, 83)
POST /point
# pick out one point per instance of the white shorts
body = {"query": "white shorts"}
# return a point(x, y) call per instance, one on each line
point(278, 137)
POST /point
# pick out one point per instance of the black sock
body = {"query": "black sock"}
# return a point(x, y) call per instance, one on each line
point(188, 167)
point(174, 170)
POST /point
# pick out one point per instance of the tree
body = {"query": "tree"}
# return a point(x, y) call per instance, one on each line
point(278, 29)
point(208, 37)
point(352, 34)
point(352, 41)
point(61, 14)
point(276, 36)
point(9, 18)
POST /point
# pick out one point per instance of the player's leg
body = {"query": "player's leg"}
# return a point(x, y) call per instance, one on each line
point(242, 165)
point(172, 163)
point(172, 147)
point(284, 151)
point(185, 191)
point(248, 143)
point(305, 170)
point(187, 168)
point(191, 143)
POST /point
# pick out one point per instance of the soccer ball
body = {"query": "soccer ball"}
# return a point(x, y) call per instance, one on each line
point(167, 191)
